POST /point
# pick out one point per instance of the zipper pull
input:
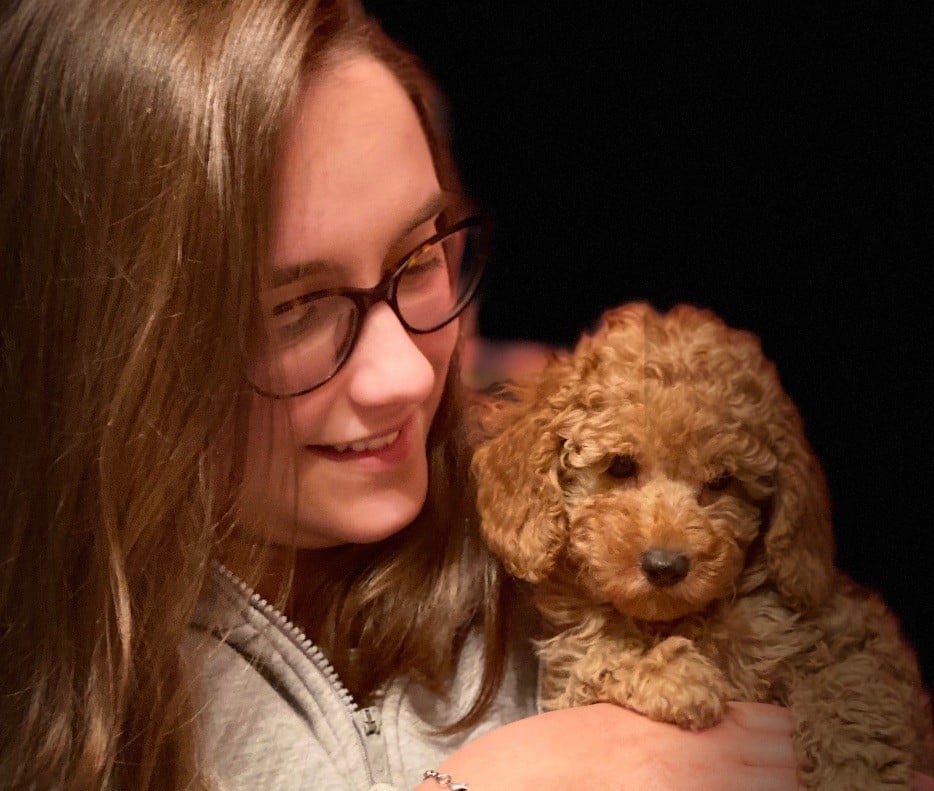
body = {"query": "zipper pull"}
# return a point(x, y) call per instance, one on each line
point(367, 722)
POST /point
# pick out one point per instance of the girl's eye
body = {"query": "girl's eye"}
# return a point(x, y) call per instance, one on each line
point(294, 329)
point(622, 467)
point(719, 482)
point(302, 319)
point(426, 263)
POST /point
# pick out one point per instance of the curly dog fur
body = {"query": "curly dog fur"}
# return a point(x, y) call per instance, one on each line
point(657, 489)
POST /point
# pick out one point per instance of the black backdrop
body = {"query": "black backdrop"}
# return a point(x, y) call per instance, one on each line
point(770, 163)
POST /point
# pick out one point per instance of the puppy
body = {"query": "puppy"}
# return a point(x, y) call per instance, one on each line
point(657, 490)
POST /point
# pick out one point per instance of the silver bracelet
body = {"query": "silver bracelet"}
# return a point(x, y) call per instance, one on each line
point(443, 779)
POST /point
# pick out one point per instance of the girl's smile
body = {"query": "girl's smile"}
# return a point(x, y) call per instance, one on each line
point(377, 452)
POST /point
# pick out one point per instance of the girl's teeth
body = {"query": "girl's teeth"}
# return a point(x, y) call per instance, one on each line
point(373, 444)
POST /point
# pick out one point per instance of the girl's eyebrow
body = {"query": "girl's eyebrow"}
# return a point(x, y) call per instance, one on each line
point(430, 209)
point(284, 275)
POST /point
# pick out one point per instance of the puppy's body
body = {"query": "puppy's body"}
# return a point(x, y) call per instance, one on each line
point(852, 688)
point(657, 489)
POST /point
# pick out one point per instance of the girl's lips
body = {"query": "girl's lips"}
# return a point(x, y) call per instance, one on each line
point(372, 444)
point(389, 454)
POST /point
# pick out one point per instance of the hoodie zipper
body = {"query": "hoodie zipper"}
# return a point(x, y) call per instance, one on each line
point(367, 721)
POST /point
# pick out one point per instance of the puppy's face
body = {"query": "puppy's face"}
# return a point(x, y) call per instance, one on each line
point(665, 487)
point(667, 474)
point(645, 465)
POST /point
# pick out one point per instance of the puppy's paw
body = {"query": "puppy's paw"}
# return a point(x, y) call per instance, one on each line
point(690, 706)
point(674, 683)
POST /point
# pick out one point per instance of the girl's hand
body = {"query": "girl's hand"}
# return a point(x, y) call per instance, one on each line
point(607, 747)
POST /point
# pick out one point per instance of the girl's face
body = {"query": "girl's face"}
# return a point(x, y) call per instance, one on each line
point(356, 190)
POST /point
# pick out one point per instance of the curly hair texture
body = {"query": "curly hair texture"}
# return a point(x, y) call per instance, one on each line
point(657, 490)
point(138, 141)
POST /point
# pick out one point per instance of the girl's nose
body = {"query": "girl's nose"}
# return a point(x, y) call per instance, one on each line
point(387, 367)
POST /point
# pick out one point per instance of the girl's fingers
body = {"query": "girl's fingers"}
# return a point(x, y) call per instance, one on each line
point(760, 780)
point(761, 717)
point(776, 753)
point(762, 735)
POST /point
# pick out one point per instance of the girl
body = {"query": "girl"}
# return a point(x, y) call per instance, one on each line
point(239, 548)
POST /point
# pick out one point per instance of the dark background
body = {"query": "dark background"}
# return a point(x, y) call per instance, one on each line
point(769, 162)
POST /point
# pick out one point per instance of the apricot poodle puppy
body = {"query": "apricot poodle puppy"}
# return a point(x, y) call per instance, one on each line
point(657, 489)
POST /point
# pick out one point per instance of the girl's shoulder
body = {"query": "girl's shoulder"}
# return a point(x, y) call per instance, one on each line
point(276, 715)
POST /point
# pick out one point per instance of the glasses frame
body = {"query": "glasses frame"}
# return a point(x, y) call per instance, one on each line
point(386, 291)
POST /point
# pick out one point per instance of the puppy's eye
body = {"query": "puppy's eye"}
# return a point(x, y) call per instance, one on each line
point(719, 482)
point(622, 467)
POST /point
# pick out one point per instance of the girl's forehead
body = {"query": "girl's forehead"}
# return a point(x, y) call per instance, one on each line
point(355, 166)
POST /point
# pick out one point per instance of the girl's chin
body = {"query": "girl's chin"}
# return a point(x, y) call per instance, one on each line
point(371, 521)
point(334, 505)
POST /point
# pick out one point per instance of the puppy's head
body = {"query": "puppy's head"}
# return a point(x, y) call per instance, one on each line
point(651, 460)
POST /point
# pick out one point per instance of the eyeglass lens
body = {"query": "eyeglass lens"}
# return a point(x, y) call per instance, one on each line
point(311, 339)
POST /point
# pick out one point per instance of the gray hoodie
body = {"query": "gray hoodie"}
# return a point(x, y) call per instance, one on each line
point(277, 717)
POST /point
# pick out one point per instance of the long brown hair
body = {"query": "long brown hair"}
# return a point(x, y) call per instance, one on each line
point(137, 143)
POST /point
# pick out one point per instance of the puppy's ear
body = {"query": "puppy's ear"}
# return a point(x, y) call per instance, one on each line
point(799, 543)
point(518, 492)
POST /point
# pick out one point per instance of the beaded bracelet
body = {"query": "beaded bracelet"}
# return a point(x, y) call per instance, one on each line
point(443, 779)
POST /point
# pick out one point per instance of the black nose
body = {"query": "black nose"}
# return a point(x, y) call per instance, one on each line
point(664, 566)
